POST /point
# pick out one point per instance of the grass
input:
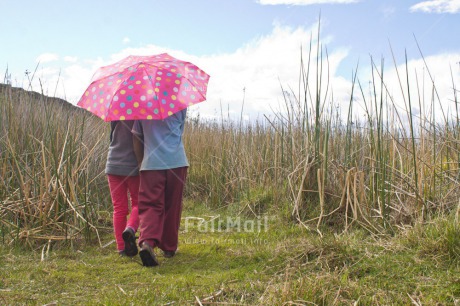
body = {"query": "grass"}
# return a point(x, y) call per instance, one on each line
point(285, 265)
point(361, 211)
point(379, 173)
point(51, 161)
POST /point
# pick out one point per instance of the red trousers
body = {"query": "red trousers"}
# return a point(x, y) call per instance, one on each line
point(119, 187)
point(160, 207)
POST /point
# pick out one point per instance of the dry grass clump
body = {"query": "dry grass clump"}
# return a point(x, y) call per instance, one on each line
point(379, 173)
point(306, 162)
point(50, 166)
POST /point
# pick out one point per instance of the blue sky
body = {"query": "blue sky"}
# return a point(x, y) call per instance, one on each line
point(250, 44)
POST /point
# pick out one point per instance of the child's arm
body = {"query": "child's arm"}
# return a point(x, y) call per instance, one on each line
point(138, 146)
point(138, 142)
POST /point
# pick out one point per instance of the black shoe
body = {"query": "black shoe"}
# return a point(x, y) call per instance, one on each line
point(130, 242)
point(169, 254)
point(122, 253)
point(148, 256)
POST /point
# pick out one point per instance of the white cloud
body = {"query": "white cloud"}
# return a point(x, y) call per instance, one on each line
point(303, 2)
point(437, 6)
point(388, 11)
point(438, 67)
point(70, 59)
point(256, 71)
point(47, 57)
point(428, 97)
point(126, 40)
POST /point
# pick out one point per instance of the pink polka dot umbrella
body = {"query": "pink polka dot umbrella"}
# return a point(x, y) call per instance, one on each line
point(144, 87)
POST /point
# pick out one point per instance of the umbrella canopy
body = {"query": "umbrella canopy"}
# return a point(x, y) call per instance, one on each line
point(144, 87)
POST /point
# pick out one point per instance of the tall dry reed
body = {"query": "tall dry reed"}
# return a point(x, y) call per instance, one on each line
point(51, 161)
point(306, 162)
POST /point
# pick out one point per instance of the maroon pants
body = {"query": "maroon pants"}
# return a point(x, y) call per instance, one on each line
point(160, 207)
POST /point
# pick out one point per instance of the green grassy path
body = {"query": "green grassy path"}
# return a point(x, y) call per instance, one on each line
point(284, 265)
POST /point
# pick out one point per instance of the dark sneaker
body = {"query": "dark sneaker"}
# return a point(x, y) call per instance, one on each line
point(130, 242)
point(148, 256)
point(169, 254)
